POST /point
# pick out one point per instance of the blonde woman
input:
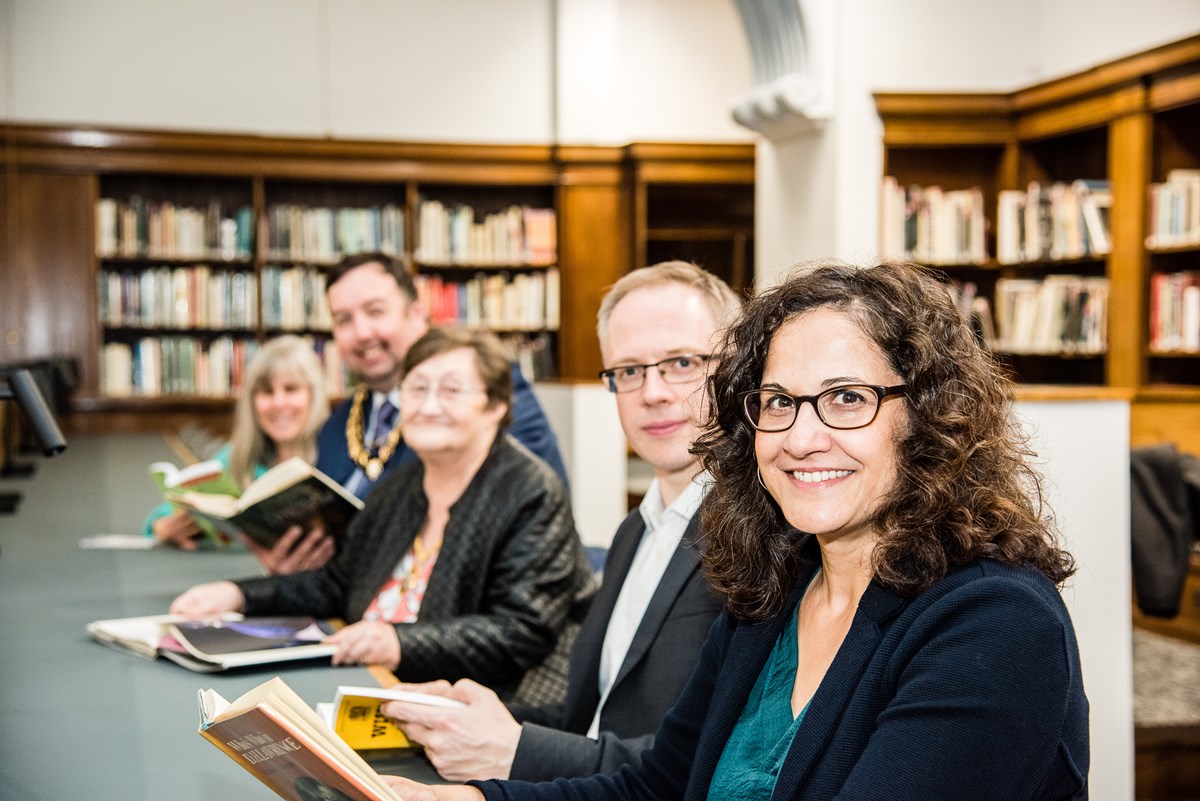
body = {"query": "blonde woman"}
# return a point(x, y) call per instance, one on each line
point(277, 417)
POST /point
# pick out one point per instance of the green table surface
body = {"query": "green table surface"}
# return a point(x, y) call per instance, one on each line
point(81, 721)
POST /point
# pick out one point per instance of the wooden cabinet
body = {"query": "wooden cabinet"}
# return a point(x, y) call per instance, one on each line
point(695, 203)
point(244, 227)
point(1124, 125)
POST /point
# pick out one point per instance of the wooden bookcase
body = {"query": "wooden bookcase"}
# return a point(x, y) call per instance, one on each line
point(1130, 122)
point(696, 204)
point(54, 274)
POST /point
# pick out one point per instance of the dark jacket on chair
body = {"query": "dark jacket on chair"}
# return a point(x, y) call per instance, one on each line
point(1164, 505)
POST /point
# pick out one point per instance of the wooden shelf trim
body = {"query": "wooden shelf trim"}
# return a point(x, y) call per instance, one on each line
point(1105, 76)
point(713, 233)
point(1174, 90)
point(149, 403)
point(1158, 79)
point(1063, 392)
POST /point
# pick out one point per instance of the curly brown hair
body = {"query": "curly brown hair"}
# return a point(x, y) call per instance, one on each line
point(967, 487)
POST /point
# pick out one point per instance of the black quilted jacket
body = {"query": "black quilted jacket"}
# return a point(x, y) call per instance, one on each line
point(510, 576)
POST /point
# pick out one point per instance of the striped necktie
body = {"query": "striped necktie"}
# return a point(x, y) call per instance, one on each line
point(385, 421)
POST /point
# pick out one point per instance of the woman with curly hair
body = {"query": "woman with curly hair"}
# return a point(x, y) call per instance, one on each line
point(893, 625)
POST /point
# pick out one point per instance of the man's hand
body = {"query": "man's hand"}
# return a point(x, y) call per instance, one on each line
point(294, 552)
point(411, 791)
point(204, 600)
point(178, 529)
point(477, 741)
point(366, 643)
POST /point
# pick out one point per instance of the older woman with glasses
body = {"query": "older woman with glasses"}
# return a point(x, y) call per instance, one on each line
point(893, 626)
point(463, 564)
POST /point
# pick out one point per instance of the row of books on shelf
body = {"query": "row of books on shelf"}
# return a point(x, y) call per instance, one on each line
point(525, 301)
point(1061, 314)
point(178, 297)
point(449, 234)
point(1059, 221)
point(175, 365)
point(160, 229)
point(322, 234)
point(1175, 210)
point(293, 299)
point(929, 225)
point(455, 234)
point(1175, 312)
point(1042, 222)
point(183, 365)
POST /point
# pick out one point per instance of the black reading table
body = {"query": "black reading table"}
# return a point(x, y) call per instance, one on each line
point(83, 722)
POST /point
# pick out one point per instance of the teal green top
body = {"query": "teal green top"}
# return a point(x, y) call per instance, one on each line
point(165, 508)
point(756, 749)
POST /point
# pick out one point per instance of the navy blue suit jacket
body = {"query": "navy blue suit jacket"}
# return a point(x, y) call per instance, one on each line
point(529, 427)
point(971, 689)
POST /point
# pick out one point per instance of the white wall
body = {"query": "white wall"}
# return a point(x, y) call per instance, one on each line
point(523, 71)
point(593, 447)
point(631, 70)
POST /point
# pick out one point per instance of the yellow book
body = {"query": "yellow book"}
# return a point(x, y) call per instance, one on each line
point(356, 716)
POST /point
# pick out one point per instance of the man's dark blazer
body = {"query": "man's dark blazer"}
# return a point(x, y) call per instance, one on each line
point(529, 427)
point(661, 657)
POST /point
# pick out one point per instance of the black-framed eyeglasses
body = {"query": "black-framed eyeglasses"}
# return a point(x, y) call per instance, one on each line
point(680, 369)
point(844, 407)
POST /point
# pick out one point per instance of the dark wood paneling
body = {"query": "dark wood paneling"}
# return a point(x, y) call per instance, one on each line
point(48, 288)
point(593, 253)
point(1167, 763)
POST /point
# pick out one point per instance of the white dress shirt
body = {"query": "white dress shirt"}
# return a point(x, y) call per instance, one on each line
point(664, 530)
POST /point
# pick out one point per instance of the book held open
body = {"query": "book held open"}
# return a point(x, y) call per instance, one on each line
point(201, 478)
point(272, 733)
point(220, 643)
point(291, 492)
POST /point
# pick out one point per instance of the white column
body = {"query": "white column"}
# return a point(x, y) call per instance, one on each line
point(1084, 448)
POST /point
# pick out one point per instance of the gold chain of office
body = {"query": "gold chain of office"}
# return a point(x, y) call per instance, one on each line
point(371, 465)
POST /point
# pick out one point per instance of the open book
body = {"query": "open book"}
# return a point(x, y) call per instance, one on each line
point(274, 735)
point(216, 644)
point(291, 492)
point(354, 714)
point(206, 478)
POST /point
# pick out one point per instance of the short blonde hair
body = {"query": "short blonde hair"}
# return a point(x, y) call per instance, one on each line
point(289, 355)
point(722, 301)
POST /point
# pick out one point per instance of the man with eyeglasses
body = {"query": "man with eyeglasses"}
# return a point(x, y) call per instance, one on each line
point(658, 327)
point(376, 318)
